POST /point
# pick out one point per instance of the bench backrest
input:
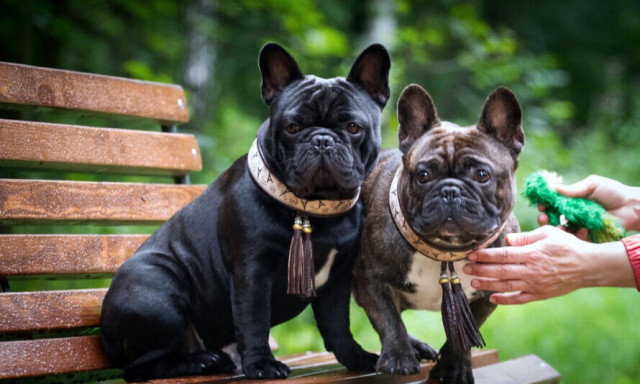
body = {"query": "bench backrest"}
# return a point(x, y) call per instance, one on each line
point(53, 332)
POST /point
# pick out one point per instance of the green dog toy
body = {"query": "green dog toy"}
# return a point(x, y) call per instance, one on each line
point(571, 213)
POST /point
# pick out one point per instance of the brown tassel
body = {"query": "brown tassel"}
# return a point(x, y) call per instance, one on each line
point(459, 323)
point(295, 257)
point(450, 315)
point(301, 272)
point(472, 332)
point(308, 280)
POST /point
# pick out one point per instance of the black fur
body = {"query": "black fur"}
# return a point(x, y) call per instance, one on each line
point(216, 272)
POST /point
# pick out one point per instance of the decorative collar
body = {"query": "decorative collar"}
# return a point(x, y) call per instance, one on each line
point(414, 239)
point(270, 184)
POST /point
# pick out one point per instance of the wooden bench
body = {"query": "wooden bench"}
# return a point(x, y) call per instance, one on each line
point(57, 178)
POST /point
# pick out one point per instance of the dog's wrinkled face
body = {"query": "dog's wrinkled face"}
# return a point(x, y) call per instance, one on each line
point(323, 137)
point(458, 183)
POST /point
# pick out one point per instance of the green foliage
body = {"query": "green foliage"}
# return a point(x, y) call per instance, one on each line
point(572, 65)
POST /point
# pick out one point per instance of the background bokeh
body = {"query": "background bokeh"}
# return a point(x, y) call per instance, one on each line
point(574, 65)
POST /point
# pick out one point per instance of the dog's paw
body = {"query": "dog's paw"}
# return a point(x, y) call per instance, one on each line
point(216, 362)
point(452, 371)
point(266, 368)
point(197, 363)
point(359, 361)
point(424, 350)
point(398, 362)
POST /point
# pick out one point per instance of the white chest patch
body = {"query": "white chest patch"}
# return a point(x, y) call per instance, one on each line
point(424, 275)
point(323, 274)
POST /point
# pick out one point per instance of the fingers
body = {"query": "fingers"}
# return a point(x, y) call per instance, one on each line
point(526, 238)
point(582, 234)
point(583, 188)
point(499, 285)
point(503, 255)
point(496, 271)
point(511, 298)
point(543, 219)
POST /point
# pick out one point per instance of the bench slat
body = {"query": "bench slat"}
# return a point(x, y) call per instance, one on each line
point(103, 202)
point(321, 367)
point(63, 355)
point(53, 310)
point(65, 254)
point(529, 369)
point(86, 149)
point(51, 356)
point(37, 86)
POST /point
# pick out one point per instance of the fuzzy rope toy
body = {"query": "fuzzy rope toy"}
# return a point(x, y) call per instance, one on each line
point(571, 213)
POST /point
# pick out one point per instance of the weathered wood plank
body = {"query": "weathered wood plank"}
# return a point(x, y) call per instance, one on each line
point(65, 254)
point(86, 149)
point(321, 367)
point(59, 356)
point(528, 369)
point(103, 202)
point(52, 310)
point(51, 356)
point(29, 85)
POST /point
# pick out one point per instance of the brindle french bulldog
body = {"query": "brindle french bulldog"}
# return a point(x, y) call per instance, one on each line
point(216, 272)
point(456, 189)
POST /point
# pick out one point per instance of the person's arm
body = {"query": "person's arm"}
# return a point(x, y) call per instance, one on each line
point(548, 262)
point(632, 246)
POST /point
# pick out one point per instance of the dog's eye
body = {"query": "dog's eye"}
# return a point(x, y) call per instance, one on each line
point(482, 176)
point(292, 128)
point(423, 176)
point(353, 128)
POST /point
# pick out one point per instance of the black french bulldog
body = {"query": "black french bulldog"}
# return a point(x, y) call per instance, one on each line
point(456, 190)
point(216, 272)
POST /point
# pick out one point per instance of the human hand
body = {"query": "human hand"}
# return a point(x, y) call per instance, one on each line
point(619, 200)
point(543, 219)
point(546, 263)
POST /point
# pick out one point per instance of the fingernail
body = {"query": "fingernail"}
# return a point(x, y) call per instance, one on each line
point(466, 269)
point(475, 283)
point(493, 300)
point(472, 256)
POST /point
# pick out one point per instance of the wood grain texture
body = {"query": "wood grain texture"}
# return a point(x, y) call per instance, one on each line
point(65, 254)
point(321, 367)
point(529, 369)
point(102, 202)
point(51, 356)
point(51, 310)
point(63, 355)
point(38, 86)
point(86, 149)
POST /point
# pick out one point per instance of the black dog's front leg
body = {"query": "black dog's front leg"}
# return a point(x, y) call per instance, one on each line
point(331, 311)
point(455, 368)
point(251, 306)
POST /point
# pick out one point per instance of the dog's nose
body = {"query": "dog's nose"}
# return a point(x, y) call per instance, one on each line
point(323, 142)
point(450, 192)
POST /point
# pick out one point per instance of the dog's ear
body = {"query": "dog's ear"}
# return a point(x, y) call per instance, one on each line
point(416, 115)
point(371, 72)
point(501, 117)
point(278, 69)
